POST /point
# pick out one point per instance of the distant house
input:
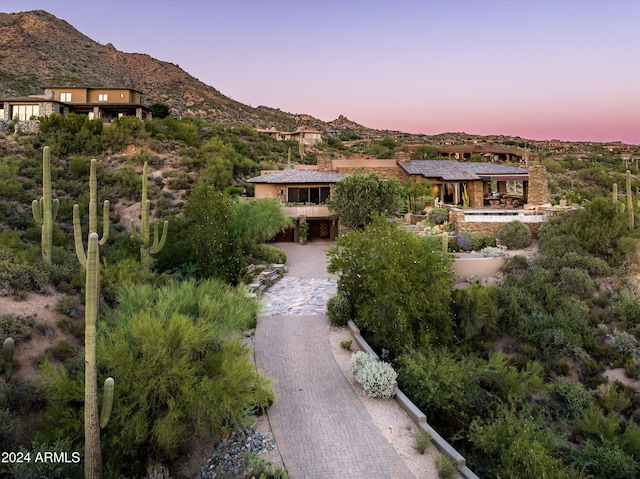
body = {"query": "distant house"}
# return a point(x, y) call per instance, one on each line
point(490, 186)
point(306, 136)
point(105, 104)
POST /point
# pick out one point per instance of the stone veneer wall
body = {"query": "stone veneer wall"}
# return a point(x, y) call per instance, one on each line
point(476, 195)
point(486, 229)
point(538, 189)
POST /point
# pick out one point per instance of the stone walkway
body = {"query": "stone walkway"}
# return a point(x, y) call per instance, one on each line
point(321, 428)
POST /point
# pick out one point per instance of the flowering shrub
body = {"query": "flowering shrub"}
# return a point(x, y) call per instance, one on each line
point(378, 379)
point(438, 216)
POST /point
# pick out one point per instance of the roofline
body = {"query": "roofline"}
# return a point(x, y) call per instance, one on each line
point(95, 88)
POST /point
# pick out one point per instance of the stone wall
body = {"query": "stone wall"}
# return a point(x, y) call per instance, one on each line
point(491, 228)
point(538, 190)
point(476, 194)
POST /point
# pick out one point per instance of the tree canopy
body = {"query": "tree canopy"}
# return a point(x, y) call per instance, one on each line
point(357, 198)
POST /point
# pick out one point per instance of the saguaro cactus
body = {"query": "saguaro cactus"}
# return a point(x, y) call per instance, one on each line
point(614, 195)
point(93, 217)
point(445, 244)
point(7, 350)
point(144, 237)
point(630, 210)
point(45, 210)
point(93, 457)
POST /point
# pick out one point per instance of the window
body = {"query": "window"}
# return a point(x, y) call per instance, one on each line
point(25, 112)
point(103, 97)
point(316, 195)
point(65, 96)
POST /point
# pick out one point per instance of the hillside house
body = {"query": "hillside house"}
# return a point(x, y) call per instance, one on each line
point(101, 103)
point(492, 188)
point(305, 136)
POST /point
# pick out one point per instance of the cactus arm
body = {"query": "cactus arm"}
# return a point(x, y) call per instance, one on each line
point(54, 209)
point(107, 402)
point(158, 246)
point(36, 209)
point(615, 192)
point(77, 235)
point(7, 350)
point(105, 223)
point(134, 233)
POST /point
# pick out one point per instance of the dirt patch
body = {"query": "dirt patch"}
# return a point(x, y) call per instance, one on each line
point(38, 311)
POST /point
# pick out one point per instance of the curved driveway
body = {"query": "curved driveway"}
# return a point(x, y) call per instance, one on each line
point(321, 428)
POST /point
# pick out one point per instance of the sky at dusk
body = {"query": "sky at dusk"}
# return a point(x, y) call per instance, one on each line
point(544, 69)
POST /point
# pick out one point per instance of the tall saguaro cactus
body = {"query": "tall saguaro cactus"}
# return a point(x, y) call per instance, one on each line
point(93, 217)
point(92, 422)
point(7, 350)
point(144, 237)
point(630, 210)
point(45, 210)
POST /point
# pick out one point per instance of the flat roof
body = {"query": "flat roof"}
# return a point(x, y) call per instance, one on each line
point(453, 170)
point(298, 176)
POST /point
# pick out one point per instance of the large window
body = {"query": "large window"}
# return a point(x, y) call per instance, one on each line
point(66, 97)
point(103, 97)
point(25, 112)
point(316, 195)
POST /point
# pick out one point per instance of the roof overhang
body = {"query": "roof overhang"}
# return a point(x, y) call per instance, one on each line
point(523, 177)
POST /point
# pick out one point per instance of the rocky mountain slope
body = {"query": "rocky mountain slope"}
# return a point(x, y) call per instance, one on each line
point(38, 49)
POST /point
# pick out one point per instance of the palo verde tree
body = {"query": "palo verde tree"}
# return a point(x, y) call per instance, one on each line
point(356, 199)
point(46, 210)
point(147, 248)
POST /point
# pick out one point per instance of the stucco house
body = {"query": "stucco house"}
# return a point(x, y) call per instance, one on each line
point(98, 103)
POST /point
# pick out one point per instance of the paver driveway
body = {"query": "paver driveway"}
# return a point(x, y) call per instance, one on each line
point(321, 428)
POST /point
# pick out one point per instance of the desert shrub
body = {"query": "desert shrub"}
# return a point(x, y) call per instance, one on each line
point(19, 276)
point(571, 398)
point(421, 441)
point(475, 309)
point(613, 398)
point(72, 468)
point(8, 429)
point(438, 216)
point(11, 325)
point(20, 397)
point(508, 383)
point(377, 378)
point(594, 424)
point(68, 304)
point(357, 362)
point(512, 443)
point(346, 344)
point(493, 252)
point(577, 282)
point(254, 466)
point(62, 351)
point(339, 309)
point(442, 384)
point(445, 465)
point(268, 253)
point(624, 342)
point(464, 242)
point(625, 304)
point(605, 461)
point(515, 235)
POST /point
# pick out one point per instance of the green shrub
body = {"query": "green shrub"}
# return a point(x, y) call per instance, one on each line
point(421, 441)
point(269, 253)
point(8, 429)
point(254, 466)
point(605, 461)
point(346, 344)
point(339, 310)
point(19, 276)
point(445, 465)
point(571, 399)
point(577, 282)
point(438, 216)
point(62, 351)
point(68, 304)
point(515, 235)
point(11, 325)
point(20, 397)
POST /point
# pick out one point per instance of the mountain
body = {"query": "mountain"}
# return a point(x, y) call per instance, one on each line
point(38, 49)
